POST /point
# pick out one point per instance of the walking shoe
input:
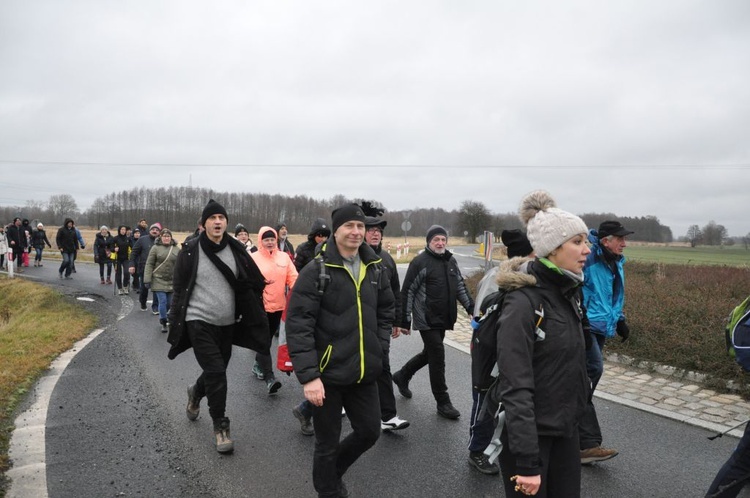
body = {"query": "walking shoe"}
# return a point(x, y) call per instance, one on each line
point(109, 281)
point(479, 461)
point(120, 292)
point(163, 322)
point(448, 411)
point(258, 372)
point(144, 308)
point(394, 424)
point(597, 454)
point(273, 386)
point(126, 290)
point(61, 275)
point(402, 383)
point(343, 492)
point(305, 423)
point(154, 311)
point(221, 431)
point(193, 405)
point(102, 282)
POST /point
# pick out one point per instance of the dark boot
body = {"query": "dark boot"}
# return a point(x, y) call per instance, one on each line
point(193, 405)
point(221, 432)
point(402, 382)
point(163, 322)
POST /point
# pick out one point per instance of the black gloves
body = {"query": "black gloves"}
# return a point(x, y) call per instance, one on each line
point(623, 330)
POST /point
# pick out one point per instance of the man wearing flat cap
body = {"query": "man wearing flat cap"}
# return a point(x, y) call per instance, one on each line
point(338, 328)
point(604, 298)
point(217, 303)
point(431, 287)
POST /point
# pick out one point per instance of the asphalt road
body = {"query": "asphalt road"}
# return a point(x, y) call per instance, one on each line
point(116, 426)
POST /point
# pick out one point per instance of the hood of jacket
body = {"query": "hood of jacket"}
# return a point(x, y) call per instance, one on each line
point(260, 246)
point(514, 274)
point(319, 225)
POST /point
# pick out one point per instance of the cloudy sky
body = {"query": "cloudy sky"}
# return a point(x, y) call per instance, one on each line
point(632, 107)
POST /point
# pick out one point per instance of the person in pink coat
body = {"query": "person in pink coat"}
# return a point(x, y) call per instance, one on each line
point(280, 274)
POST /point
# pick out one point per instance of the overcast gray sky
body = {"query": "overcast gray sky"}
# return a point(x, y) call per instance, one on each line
point(634, 107)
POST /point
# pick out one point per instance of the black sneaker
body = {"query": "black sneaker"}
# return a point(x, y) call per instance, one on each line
point(479, 461)
point(273, 386)
point(144, 308)
point(448, 411)
point(402, 383)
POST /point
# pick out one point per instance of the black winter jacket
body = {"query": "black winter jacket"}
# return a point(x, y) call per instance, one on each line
point(66, 238)
point(542, 382)
point(306, 251)
point(391, 270)
point(140, 252)
point(251, 326)
point(101, 244)
point(431, 286)
point(39, 238)
point(341, 335)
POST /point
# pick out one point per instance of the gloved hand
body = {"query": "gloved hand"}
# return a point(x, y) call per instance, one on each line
point(623, 330)
point(147, 285)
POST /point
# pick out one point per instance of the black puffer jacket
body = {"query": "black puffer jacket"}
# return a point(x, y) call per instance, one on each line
point(542, 383)
point(251, 327)
point(342, 334)
point(66, 238)
point(432, 284)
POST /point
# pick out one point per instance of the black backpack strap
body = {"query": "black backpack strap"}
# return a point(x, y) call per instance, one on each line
point(323, 277)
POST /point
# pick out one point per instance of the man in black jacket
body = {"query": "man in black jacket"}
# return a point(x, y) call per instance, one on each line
point(338, 327)
point(67, 244)
point(16, 241)
point(431, 287)
point(217, 302)
point(138, 257)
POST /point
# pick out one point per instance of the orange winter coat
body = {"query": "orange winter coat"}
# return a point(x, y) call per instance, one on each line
point(278, 270)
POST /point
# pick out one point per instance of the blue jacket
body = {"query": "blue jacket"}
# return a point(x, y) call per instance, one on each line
point(604, 290)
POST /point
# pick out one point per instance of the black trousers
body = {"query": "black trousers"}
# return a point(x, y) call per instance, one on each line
point(212, 346)
point(265, 361)
point(332, 457)
point(433, 356)
point(385, 390)
point(561, 467)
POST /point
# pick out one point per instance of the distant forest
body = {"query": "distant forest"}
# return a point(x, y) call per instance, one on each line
point(180, 207)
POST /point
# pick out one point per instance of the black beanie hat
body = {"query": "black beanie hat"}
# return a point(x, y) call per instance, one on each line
point(211, 209)
point(435, 230)
point(516, 242)
point(239, 229)
point(268, 234)
point(346, 213)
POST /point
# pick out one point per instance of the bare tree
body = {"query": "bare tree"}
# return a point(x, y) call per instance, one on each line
point(62, 205)
point(473, 217)
point(694, 235)
point(714, 234)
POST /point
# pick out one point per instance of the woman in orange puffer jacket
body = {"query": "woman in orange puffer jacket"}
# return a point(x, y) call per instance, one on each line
point(280, 274)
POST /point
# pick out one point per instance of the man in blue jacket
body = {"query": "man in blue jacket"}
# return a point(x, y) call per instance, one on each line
point(603, 297)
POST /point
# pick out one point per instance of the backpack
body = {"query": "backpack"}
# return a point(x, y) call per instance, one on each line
point(737, 334)
point(484, 369)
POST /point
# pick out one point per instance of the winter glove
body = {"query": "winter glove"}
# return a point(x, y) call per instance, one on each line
point(147, 285)
point(623, 330)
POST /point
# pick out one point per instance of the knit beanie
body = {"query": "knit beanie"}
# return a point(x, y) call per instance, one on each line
point(239, 229)
point(516, 242)
point(268, 234)
point(211, 209)
point(547, 226)
point(103, 227)
point(435, 230)
point(346, 213)
point(155, 225)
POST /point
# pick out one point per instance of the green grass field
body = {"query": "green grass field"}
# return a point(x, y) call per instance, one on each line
point(702, 255)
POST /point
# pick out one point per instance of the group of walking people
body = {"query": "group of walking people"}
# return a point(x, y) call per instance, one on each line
point(19, 238)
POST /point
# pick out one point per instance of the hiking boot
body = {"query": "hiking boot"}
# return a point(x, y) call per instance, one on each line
point(193, 405)
point(394, 424)
point(221, 431)
point(258, 372)
point(597, 454)
point(343, 492)
point(305, 423)
point(448, 411)
point(479, 461)
point(273, 386)
point(402, 383)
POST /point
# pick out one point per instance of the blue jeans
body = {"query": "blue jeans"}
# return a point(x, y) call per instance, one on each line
point(735, 472)
point(67, 263)
point(589, 432)
point(165, 301)
point(38, 256)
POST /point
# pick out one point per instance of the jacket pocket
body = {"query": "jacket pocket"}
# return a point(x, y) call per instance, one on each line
point(326, 358)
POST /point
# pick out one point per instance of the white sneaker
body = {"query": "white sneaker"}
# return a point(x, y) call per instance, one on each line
point(394, 424)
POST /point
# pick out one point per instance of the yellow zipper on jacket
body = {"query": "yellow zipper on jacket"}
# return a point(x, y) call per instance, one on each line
point(357, 285)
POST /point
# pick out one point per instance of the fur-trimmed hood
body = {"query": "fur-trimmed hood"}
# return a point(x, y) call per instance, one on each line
point(514, 274)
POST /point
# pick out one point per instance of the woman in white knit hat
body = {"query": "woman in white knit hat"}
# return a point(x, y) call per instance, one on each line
point(542, 382)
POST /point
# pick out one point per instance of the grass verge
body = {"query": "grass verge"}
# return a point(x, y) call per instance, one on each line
point(36, 325)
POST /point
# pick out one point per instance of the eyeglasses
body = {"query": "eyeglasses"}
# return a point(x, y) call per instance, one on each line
point(374, 229)
point(321, 235)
